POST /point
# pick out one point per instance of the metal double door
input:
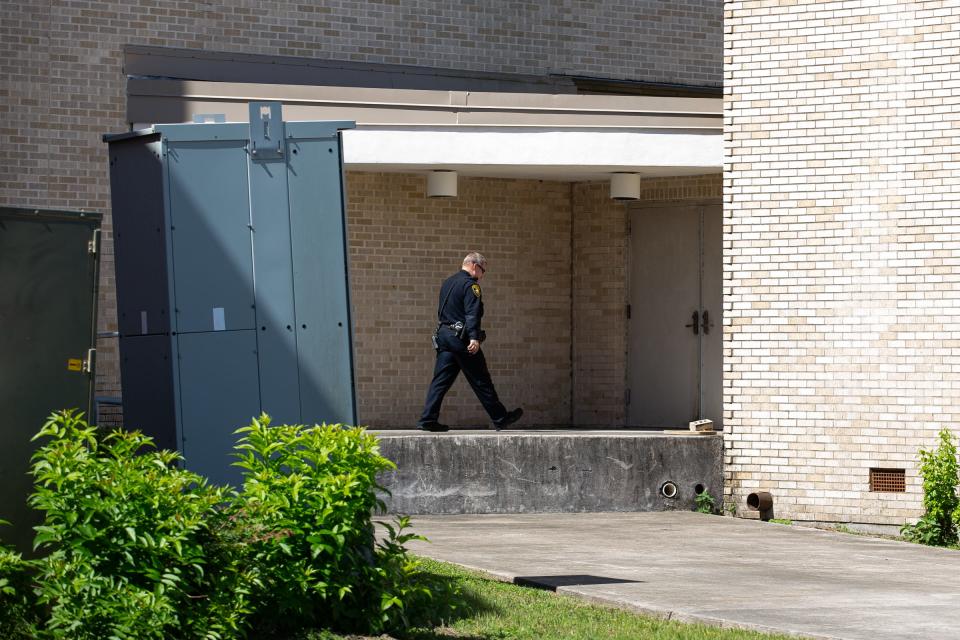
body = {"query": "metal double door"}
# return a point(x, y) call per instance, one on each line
point(675, 339)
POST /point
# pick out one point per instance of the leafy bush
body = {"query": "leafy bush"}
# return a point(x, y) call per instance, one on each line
point(705, 503)
point(305, 514)
point(137, 547)
point(126, 531)
point(938, 525)
point(18, 614)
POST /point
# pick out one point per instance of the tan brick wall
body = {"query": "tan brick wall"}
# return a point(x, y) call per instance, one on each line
point(403, 245)
point(63, 85)
point(841, 226)
point(599, 306)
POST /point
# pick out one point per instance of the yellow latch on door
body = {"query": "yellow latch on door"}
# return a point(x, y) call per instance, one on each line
point(74, 364)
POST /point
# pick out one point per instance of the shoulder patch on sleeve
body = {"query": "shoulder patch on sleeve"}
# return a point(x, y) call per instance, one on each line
point(476, 289)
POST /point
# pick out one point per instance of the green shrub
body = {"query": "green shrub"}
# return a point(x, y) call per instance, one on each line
point(938, 525)
point(705, 503)
point(305, 515)
point(18, 614)
point(137, 547)
point(127, 533)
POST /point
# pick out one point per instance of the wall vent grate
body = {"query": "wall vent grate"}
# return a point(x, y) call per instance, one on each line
point(888, 480)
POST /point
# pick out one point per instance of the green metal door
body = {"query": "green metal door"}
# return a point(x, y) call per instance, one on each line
point(48, 276)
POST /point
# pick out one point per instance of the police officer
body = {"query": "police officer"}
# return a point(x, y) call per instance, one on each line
point(457, 341)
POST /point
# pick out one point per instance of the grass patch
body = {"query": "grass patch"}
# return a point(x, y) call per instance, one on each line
point(494, 610)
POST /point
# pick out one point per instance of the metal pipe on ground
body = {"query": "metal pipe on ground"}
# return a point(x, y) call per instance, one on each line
point(761, 501)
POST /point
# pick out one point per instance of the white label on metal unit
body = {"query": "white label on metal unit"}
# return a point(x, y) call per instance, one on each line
point(219, 324)
point(143, 322)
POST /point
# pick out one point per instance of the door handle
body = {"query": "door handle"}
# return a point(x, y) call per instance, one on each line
point(706, 322)
point(695, 323)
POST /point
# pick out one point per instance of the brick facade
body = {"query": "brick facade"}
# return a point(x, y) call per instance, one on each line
point(840, 194)
point(841, 270)
point(64, 86)
point(599, 306)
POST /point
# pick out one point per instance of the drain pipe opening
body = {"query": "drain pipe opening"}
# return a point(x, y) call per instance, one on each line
point(668, 489)
point(761, 501)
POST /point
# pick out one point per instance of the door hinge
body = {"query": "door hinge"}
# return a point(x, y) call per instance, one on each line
point(93, 245)
point(626, 396)
point(88, 363)
point(628, 312)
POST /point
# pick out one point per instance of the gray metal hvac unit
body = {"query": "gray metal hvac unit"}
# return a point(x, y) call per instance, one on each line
point(232, 290)
point(48, 275)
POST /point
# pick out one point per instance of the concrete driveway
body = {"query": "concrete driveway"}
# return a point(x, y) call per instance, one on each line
point(717, 570)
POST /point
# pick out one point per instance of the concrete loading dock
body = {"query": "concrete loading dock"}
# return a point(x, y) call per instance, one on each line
point(560, 470)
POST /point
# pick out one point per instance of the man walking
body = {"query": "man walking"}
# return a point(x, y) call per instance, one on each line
point(457, 341)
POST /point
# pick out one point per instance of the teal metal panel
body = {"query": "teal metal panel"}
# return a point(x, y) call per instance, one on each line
point(207, 132)
point(254, 252)
point(219, 393)
point(48, 277)
point(139, 231)
point(236, 130)
point(320, 280)
point(145, 297)
point(147, 371)
point(210, 237)
point(276, 335)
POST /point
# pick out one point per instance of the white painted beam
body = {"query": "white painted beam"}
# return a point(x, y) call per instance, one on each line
point(560, 154)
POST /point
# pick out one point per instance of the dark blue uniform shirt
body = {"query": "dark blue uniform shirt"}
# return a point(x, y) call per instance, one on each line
point(464, 303)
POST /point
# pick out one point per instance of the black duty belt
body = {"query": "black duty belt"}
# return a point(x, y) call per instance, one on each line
point(457, 327)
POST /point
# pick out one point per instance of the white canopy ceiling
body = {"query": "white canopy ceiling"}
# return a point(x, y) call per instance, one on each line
point(529, 135)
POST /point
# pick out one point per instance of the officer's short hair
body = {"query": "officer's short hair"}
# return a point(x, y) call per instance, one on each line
point(475, 258)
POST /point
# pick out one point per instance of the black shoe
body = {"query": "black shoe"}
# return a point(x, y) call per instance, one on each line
point(509, 419)
point(434, 426)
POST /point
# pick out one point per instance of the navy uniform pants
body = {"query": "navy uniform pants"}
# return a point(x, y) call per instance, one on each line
point(452, 358)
